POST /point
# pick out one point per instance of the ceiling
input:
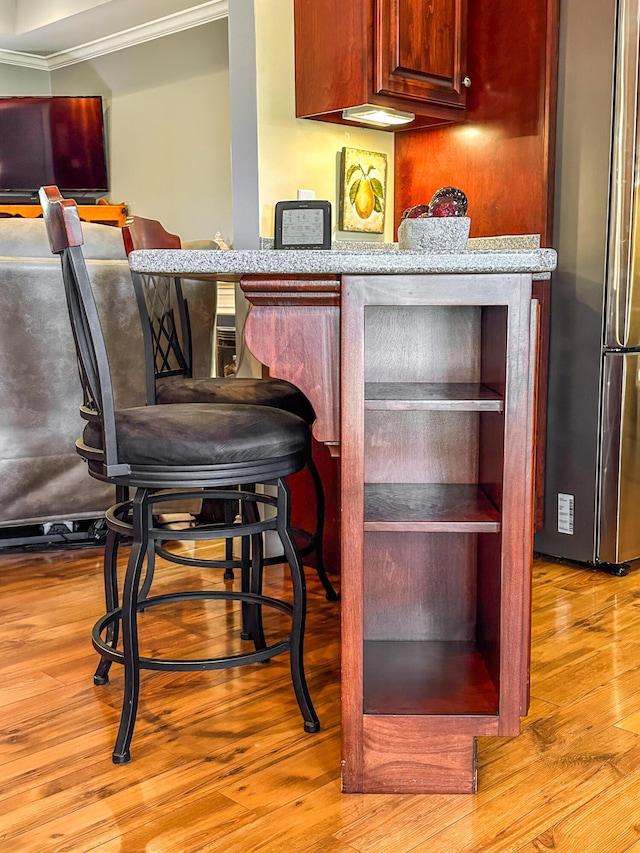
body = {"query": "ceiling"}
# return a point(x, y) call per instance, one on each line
point(46, 28)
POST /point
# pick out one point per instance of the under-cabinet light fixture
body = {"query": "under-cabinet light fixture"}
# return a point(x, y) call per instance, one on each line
point(377, 116)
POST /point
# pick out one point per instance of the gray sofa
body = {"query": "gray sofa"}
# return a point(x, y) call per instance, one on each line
point(41, 477)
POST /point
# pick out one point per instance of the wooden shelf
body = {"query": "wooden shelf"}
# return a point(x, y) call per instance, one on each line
point(425, 678)
point(103, 214)
point(429, 507)
point(443, 396)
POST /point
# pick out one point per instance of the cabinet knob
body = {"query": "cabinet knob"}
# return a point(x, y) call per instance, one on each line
point(466, 81)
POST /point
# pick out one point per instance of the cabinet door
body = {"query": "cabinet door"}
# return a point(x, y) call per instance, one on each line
point(420, 48)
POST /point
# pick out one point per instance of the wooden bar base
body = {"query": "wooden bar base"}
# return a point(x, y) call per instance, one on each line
point(432, 403)
point(436, 427)
point(407, 760)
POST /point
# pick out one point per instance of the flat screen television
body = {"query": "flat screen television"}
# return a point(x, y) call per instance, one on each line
point(52, 140)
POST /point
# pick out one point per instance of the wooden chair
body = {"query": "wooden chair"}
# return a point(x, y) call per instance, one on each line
point(164, 313)
point(164, 452)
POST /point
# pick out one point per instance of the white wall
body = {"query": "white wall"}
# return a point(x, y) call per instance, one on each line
point(300, 153)
point(16, 80)
point(168, 127)
point(278, 151)
point(39, 13)
point(7, 16)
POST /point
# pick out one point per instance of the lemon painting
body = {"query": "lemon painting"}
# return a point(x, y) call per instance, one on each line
point(363, 191)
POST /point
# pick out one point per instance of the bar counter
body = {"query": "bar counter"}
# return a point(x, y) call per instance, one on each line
point(383, 261)
point(421, 370)
point(294, 325)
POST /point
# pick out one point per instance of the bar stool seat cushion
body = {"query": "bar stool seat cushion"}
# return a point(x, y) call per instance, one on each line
point(241, 391)
point(202, 434)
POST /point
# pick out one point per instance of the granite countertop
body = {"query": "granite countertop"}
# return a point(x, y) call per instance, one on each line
point(380, 261)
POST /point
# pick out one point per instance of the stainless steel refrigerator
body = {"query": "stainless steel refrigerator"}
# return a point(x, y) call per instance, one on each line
point(592, 488)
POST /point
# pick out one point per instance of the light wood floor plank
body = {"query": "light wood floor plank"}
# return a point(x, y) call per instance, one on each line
point(608, 821)
point(630, 723)
point(221, 761)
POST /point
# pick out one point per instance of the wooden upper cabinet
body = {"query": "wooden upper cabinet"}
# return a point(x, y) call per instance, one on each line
point(409, 55)
point(421, 49)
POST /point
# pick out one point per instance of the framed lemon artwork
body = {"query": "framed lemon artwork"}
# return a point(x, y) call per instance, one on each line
point(363, 191)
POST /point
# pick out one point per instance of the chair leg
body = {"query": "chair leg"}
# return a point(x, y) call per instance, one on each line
point(149, 572)
point(139, 549)
point(331, 594)
point(101, 675)
point(122, 494)
point(252, 572)
point(245, 586)
point(311, 721)
point(257, 567)
point(112, 544)
point(228, 545)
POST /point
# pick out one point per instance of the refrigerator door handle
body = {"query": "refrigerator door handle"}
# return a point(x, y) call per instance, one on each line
point(622, 307)
point(619, 469)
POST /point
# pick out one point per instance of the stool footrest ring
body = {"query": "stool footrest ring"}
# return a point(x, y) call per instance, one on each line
point(194, 664)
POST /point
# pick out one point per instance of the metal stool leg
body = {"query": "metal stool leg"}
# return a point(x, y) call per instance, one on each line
point(228, 545)
point(101, 675)
point(245, 584)
point(149, 571)
point(257, 567)
point(331, 594)
point(141, 523)
point(311, 721)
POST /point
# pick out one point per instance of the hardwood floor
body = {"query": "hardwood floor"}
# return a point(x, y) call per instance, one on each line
point(221, 761)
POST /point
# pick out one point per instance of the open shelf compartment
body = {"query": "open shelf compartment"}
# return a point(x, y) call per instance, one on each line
point(431, 623)
point(427, 678)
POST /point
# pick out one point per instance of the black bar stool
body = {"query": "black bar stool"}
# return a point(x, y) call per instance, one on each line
point(179, 451)
point(166, 328)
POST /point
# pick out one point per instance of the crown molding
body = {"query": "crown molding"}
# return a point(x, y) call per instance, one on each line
point(194, 17)
point(26, 60)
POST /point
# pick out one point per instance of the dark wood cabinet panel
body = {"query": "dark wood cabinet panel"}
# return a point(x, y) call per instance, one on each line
point(503, 158)
point(436, 524)
point(421, 50)
point(436, 428)
point(408, 55)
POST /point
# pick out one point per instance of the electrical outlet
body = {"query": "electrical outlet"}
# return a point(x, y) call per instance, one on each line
point(59, 528)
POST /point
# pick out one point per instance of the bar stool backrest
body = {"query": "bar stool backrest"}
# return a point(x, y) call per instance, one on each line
point(65, 239)
point(163, 309)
